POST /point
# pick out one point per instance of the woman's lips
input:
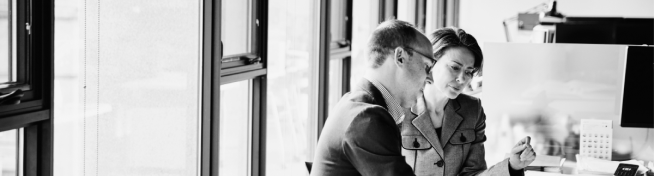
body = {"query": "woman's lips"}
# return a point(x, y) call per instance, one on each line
point(455, 88)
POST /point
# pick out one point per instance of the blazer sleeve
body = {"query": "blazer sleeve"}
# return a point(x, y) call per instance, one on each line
point(372, 144)
point(475, 164)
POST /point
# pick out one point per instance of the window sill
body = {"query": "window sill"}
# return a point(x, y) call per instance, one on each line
point(9, 87)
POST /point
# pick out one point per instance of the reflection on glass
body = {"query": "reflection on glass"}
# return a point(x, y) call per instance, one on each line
point(292, 86)
point(8, 152)
point(5, 39)
point(236, 25)
point(235, 129)
point(335, 82)
point(545, 90)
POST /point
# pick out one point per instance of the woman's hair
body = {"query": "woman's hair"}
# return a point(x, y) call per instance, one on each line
point(449, 37)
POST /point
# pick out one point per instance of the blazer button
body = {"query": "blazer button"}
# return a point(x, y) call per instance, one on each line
point(439, 163)
point(463, 138)
point(415, 143)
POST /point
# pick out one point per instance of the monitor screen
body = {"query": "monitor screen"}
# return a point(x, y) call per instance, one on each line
point(638, 88)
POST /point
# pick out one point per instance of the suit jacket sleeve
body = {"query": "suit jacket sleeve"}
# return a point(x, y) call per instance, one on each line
point(475, 164)
point(372, 144)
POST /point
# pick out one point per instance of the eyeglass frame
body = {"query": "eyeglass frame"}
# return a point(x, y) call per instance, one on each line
point(429, 67)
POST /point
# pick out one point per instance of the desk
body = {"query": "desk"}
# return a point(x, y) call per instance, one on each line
point(538, 173)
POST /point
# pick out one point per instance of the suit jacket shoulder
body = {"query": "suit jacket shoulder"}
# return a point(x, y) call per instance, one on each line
point(360, 138)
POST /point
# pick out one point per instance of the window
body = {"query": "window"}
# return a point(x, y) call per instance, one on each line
point(19, 74)
point(293, 75)
point(127, 87)
point(414, 12)
point(26, 87)
point(241, 36)
point(340, 25)
point(9, 152)
point(235, 129)
point(387, 10)
point(234, 106)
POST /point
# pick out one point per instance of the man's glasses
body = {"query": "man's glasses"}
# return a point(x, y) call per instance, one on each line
point(431, 59)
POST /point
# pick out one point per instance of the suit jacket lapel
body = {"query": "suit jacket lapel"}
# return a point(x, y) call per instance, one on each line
point(424, 125)
point(451, 120)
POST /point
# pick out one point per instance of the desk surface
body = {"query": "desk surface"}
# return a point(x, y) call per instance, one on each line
point(537, 173)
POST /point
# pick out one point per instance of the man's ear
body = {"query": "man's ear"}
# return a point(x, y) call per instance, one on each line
point(399, 56)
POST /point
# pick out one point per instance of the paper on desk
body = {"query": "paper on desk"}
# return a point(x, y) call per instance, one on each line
point(547, 161)
point(596, 165)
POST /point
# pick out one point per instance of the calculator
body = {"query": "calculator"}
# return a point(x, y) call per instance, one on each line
point(626, 170)
point(596, 138)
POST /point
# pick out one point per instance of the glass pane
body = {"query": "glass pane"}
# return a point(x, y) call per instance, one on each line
point(292, 86)
point(338, 20)
point(126, 88)
point(8, 153)
point(335, 81)
point(5, 40)
point(364, 21)
point(236, 26)
point(235, 129)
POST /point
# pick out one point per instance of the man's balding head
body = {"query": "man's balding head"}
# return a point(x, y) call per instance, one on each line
point(390, 35)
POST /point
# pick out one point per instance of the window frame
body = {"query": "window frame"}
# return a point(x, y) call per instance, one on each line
point(252, 60)
point(35, 72)
point(219, 70)
point(340, 50)
point(28, 74)
point(387, 10)
point(441, 14)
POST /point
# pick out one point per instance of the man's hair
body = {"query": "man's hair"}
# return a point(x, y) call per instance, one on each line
point(449, 37)
point(389, 35)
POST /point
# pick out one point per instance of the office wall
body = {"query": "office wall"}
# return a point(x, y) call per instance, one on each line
point(484, 18)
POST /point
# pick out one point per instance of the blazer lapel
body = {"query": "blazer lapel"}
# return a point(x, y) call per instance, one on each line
point(424, 125)
point(451, 120)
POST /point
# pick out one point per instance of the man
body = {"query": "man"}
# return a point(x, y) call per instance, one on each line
point(361, 137)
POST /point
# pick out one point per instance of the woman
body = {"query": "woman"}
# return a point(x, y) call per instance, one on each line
point(446, 136)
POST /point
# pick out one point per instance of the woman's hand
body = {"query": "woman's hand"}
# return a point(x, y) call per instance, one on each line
point(522, 154)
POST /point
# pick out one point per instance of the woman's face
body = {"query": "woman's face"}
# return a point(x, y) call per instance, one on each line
point(452, 73)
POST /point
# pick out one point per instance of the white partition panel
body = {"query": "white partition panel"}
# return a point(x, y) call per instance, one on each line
point(543, 90)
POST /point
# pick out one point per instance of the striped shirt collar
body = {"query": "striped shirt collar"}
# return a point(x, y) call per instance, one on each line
point(393, 106)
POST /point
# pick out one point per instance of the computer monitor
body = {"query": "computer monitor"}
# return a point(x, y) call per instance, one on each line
point(638, 88)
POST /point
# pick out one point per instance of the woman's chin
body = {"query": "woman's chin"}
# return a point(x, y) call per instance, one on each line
point(452, 94)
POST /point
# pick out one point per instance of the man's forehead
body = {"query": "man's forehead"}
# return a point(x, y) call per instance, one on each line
point(423, 48)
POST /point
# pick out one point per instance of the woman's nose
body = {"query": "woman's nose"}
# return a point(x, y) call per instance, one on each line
point(461, 78)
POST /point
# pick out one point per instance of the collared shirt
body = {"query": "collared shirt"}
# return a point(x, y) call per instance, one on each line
point(393, 106)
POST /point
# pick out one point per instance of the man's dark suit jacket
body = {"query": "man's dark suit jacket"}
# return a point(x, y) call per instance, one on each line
point(360, 138)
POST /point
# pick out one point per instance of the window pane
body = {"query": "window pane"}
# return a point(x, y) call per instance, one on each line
point(235, 129)
point(292, 86)
point(126, 88)
point(335, 81)
point(8, 153)
point(338, 20)
point(236, 26)
point(364, 21)
point(5, 36)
